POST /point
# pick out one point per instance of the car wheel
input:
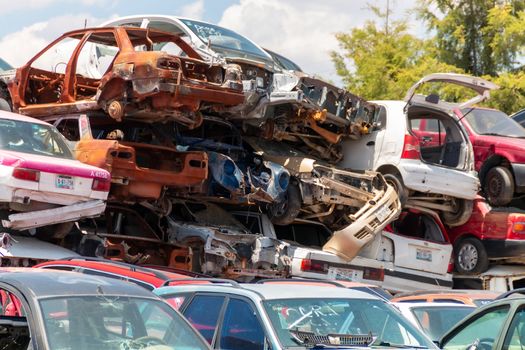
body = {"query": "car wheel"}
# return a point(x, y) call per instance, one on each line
point(287, 210)
point(462, 210)
point(470, 256)
point(4, 105)
point(499, 186)
point(396, 182)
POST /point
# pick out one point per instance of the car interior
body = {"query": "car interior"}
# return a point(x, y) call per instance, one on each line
point(440, 139)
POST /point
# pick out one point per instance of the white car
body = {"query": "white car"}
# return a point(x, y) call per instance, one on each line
point(434, 170)
point(41, 183)
point(434, 319)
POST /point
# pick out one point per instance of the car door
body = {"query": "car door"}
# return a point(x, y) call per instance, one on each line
point(420, 244)
point(364, 153)
point(203, 311)
point(481, 330)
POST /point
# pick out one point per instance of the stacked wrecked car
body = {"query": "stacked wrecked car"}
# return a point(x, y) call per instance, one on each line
point(177, 133)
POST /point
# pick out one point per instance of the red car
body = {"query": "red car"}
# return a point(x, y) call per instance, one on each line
point(499, 144)
point(495, 234)
point(147, 277)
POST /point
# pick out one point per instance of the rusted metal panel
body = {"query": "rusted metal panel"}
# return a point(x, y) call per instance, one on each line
point(138, 84)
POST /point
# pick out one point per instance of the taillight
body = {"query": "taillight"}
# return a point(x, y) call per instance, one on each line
point(411, 148)
point(517, 231)
point(450, 267)
point(101, 185)
point(26, 174)
point(308, 265)
point(374, 274)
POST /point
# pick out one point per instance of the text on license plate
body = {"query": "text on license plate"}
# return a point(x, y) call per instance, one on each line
point(65, 182)
point(383, 213)
point(335, 273)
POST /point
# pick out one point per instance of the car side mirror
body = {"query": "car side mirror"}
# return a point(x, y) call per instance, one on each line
point(438, 344)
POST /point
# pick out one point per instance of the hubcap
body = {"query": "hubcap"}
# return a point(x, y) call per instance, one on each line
point(468, 257)
point(495, 186)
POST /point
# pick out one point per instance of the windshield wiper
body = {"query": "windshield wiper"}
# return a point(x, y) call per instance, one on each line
point(398, 346)
point(496, 134)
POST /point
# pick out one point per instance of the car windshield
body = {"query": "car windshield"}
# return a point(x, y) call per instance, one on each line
point(116, 322)
point(435, 321)
point(225, 41)
point(4, 65)
point(493, 122)
point(34, 138)
point(343, 317)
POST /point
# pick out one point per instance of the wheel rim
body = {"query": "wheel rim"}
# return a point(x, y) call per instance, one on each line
point(393, 184)
point(468, 257)
point(495, 186)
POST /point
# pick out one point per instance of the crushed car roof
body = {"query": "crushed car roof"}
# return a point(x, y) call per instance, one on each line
point(20, 117)
point(49, 283)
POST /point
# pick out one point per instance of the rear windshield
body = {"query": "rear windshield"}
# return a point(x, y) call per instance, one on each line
point(34, 138)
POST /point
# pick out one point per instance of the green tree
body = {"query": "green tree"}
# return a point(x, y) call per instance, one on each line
point(479, 36)
point(382, 62)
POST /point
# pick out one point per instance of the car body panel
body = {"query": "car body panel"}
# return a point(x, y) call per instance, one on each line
point(166, 86)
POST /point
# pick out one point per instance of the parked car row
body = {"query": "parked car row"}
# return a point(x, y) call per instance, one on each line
point(85, 303)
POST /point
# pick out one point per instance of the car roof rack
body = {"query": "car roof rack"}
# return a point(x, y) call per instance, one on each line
point(300, 280)
point(213, 281)
point(511, 292)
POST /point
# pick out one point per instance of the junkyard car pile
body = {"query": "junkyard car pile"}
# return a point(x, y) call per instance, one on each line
point(166, 141)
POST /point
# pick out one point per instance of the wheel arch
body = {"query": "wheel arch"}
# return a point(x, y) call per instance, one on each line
point(389, 169)
point(491, 162)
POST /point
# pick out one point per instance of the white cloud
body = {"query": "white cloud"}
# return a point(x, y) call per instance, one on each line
point(303, 30)
point(18, 47)
point(193, 10)
point(7, 6)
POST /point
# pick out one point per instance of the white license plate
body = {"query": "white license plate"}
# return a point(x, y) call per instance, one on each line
point(383, 213)
point(335, 273)
point(64, 182)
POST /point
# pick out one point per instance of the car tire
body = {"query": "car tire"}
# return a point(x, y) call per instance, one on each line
point(287, 210)
point(461, 214)
point(396, 182)
point(498, 186)
point(470, 256)
point(4, 105)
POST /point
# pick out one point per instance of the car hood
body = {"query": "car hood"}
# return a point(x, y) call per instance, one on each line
point(51, 165)
point(505, 142)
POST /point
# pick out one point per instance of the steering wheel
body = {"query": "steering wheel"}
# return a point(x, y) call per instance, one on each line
point(149, 341)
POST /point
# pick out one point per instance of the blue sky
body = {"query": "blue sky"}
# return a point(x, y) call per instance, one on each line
point(302, 30)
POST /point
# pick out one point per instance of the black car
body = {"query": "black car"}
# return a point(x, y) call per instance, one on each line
point(44, 309)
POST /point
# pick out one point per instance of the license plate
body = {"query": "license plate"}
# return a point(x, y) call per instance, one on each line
point(383, 213)
point(423, 254)
point(64, 182)
point(335, 273)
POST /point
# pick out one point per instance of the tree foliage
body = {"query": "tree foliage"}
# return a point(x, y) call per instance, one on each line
point(377, 61)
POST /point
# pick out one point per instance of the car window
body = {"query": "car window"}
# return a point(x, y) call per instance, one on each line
point(15, 334)
point(485, 328)
point(311, 235)
point(515, 338)
point(106, 322)
point(241, 328)
point(203, 313)
point(56, 58)
point(519, 117)
point(69, 129)
point(493, 122)
point(435, 321)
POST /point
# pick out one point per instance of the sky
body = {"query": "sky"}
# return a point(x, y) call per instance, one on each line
point(302, 30)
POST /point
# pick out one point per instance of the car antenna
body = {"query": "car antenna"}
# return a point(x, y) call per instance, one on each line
point(85, 23)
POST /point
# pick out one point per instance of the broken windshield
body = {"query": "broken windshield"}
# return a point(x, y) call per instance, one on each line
point(225, 41)
point(341, 317)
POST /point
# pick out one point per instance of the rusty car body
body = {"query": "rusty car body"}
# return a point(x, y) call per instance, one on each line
point(356, 206)
point(130, 77)
point(140, 169)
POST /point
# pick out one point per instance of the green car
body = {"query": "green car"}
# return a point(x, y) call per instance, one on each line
point(499, 325)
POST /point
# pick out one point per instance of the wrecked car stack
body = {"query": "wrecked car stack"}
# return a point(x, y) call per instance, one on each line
point(175, 131)
point(213, 156)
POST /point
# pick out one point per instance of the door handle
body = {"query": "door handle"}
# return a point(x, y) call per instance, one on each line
point(371, 143)
point(427, 138)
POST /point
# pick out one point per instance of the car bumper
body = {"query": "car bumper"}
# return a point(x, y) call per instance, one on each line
point(68, 213)
point(504, 248)
point(519, 176)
